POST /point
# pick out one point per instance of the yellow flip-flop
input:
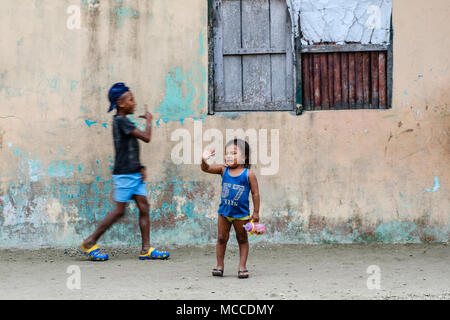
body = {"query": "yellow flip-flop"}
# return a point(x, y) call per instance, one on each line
point(94, 253)
point(154, 254)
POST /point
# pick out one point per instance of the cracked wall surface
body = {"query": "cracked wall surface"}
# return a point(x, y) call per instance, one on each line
point(342, 21)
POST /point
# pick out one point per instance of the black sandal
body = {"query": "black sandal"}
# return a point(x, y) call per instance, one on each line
point(243, 274)
point(217, 272)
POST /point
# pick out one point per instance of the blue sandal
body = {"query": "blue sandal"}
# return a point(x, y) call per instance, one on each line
point(154, 254)
point(94, 253)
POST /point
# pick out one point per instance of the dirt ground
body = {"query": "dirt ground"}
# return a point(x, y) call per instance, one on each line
point(276, 272)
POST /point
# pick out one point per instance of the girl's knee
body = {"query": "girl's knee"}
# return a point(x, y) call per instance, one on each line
point(222, 238)
point(242, 239)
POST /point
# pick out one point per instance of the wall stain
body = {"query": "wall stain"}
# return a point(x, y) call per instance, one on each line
point(2, 133)
point(185, 95)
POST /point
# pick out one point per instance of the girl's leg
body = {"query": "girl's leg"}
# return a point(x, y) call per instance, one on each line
point(144, 221)
point(223, 235)
point(242, 239)
point(110, 219)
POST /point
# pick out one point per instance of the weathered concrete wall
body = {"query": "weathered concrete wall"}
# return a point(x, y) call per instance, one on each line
point(346, 176)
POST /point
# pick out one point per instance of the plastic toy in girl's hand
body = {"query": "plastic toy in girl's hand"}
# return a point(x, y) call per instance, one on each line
point(255, 228)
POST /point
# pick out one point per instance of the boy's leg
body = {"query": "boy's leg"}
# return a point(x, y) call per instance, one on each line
point(110, 219)
point(223, 235)
point(242, 239)
point(144, 221)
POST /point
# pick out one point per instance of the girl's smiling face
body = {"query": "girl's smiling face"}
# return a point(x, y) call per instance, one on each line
point(233, 156)
point(127, 103)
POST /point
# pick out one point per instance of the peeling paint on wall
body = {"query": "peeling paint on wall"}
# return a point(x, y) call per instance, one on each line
point(185, 95)
point(342, 21)
point(123, 13)
point(436, 185)
point(201, 51)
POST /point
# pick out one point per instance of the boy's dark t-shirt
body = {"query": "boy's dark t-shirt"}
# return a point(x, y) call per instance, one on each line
point(126, 147)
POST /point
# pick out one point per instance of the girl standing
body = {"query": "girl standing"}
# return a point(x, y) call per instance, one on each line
point(237, 183)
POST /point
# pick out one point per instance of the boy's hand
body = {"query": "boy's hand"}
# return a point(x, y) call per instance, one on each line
point(208, 154)
point(144, 174)
point(148, 116)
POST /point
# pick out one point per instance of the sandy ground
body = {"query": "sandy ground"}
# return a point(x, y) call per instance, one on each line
point(277, 272)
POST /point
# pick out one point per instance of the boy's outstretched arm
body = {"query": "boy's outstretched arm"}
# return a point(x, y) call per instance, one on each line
point(146, 135)
point(216, 169)
point(255, 195)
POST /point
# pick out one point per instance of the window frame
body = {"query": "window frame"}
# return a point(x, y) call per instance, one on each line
point(298, 49)
point(212, 24)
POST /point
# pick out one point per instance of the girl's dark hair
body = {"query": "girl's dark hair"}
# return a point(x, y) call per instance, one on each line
point(244, 147)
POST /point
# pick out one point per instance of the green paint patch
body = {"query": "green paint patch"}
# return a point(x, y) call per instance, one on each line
point(201, 51)
point(435, 187)
point(184, 94)
point(34, 169)
point(54, 83)
point(124, 13)
point(73, 85)
point(60, 169)
point(396, 232)
point(10, 91)
point(90, 123)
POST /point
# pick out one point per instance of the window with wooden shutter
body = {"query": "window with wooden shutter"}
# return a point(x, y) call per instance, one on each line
point(345, 80)
point(253, 56)
point(342, 57)
point(345, 50)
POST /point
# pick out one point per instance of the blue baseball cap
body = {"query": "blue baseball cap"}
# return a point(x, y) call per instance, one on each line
point(116, 91)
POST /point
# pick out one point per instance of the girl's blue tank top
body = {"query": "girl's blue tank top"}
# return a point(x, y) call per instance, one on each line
point(235, 192)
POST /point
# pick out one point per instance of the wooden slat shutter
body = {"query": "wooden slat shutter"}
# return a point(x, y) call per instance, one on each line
point(345, 80)
point(253, 56)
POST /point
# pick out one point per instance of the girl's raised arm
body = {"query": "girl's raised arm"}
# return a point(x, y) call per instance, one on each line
point(216, 169)
point(255, 195)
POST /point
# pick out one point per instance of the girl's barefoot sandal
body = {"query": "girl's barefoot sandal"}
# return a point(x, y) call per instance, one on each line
point(217, 272)
point(243, 274)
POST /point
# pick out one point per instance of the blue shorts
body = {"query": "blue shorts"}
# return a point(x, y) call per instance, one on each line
point(128, 185)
